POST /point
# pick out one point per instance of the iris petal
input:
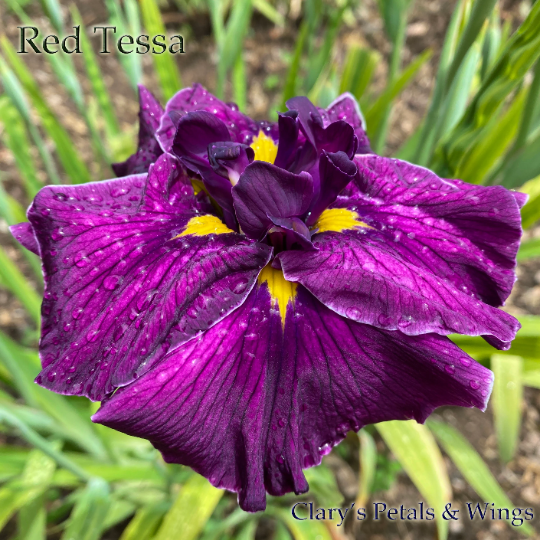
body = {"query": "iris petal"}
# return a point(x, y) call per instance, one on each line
point(150, 112)
point(252, 403)
point(361, 276)
point(121, 288)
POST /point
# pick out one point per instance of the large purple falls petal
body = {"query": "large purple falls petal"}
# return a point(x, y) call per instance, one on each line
point(121, 288)
point(249, 405)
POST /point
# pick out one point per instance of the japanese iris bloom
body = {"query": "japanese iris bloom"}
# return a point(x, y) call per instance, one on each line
point(248, 292)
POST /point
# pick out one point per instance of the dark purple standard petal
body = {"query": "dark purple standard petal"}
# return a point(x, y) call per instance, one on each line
point(365, 279)
point(346, 108)
point(148, 150)
point(24, 234)
point(229, 159)
point(252, 403)
point(242, 129)
point(195, 132)
point(337, 136)
point(466, 234)
point(335, 172)
point(122, 288)
point(265, 190)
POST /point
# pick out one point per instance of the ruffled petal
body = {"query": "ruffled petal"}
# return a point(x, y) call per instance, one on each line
point(266, 190)
point(24, 234)
point(126, 280)
point(361, 276)
point(148, 150)
point(242, 129)
point(253, 402)
point(463, 233)
point(346, 108)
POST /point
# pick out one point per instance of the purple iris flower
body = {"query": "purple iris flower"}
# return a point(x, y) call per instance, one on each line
point(249, 292)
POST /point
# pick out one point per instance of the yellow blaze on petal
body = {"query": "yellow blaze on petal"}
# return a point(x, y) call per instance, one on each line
point(204, 225)
point(281, 290)
point(338, 219)
point(265, 148)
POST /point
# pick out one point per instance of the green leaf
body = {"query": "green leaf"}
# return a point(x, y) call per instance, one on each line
point(67, 153)
point(529, 249)
point(472, 467)
point(456, 101)
point(167, 71)
point(291, 81)
point(96, 78)
point(233, 37)
point(13, 279)
point(375, 114)
point(491, 143)
point(359, 68)
point(530, 213)
point(191, 510)
point(524, 163)
point(16, 138)
point(146, 522)
point(518, 56)
point(34, 481)
point(127, 23)
point(33, 438)
point(480, 11)
point(269, 11)
point(300, 530)
point(240, 83)
point(416, 450)
point(13, 89)
point(32, 520)
point(368, 466)
point(507, 402)
point(24, 365)
point(531, 372)
point(88, 517)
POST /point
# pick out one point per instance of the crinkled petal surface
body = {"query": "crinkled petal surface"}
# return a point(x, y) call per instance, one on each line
point(196, 98)
point(361, 276)
point(251, 403)
point(148, 150)
point(122, 288)
point(463, 233)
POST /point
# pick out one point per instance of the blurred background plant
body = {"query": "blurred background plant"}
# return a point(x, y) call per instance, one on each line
point(64, 477)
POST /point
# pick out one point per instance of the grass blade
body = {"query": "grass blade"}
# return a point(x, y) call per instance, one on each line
point(167, 71)
point(96, 79)
point(368, 466)
point(145, 523)
point(72, 163)
point(291, 81)
point(13, 279)
point(416, 450)
point(16, 139)
point(376, 113)
point(191, 510)
point(507, 397)
point(88, 517)
point(472, 466)
point(15, 92)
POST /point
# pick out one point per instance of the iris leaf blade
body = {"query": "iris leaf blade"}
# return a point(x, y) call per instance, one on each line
point(506, 399)
point(166, 68)
point(191, 510)
point(88, 517)
point(416, 450)
point(472, 466)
